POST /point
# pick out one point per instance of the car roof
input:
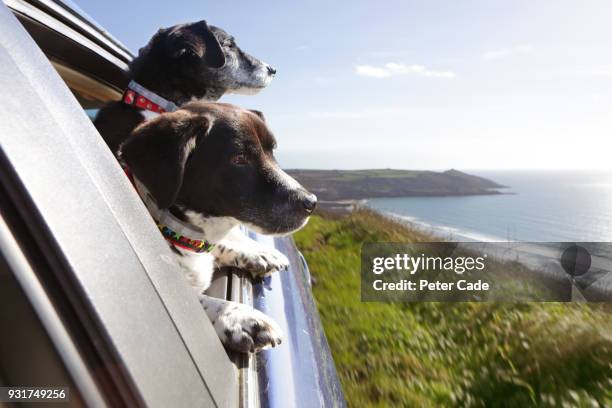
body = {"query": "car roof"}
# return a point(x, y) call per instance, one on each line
point(66, 18)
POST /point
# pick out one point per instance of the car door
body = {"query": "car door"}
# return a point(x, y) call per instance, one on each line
point(80, 248)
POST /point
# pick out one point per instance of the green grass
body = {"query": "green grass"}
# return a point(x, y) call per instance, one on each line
point(449, 354)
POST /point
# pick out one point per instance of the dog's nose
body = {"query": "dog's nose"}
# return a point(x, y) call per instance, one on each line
point(310, 202)
point(271, 70)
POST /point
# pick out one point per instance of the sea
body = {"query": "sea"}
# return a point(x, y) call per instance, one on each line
point(537, 218)
point(536, 206)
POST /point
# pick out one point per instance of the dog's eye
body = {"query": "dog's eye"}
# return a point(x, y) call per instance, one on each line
point(239, 160)
point(229, 45)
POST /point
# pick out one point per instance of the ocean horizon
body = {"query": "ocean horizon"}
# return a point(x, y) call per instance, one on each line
point(538, 206)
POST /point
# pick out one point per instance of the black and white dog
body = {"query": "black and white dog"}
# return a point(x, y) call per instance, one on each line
point(179, 64)
point(202, 171)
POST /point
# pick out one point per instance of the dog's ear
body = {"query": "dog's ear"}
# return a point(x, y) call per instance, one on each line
point(213, 53)
point(196, 40)
point(157, 150)
point(258, 113)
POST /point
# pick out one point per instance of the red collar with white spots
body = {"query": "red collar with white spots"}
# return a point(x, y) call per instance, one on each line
point(139, 96)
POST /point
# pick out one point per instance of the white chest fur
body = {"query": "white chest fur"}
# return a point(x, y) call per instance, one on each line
point(198, 268)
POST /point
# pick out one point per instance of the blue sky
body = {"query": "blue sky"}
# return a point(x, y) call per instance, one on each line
point(415, 84)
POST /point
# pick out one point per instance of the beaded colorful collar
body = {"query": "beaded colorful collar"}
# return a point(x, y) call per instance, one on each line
point(175, 231)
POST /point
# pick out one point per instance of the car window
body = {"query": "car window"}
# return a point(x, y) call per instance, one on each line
point(91, 93)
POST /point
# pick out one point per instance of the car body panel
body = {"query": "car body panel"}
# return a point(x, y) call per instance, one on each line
point(116, 256)
point(300, 373)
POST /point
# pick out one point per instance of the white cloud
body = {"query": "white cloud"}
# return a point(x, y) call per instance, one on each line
point(370, 71)
point(393, 69)
point(508, 52)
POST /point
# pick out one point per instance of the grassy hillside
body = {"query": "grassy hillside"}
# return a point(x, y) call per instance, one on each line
point(333, 185)
point(450, 354)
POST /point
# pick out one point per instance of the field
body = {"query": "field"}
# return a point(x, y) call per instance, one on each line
point(449, 354)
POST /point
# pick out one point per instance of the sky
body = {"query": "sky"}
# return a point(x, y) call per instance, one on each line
point(415, 84)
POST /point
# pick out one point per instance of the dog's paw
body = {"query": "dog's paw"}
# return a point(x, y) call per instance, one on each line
point(251, 256)
point(255, 259)
point(244, 329)
point(265, 261)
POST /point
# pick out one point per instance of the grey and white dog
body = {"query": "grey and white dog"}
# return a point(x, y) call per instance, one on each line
point(179, 64)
